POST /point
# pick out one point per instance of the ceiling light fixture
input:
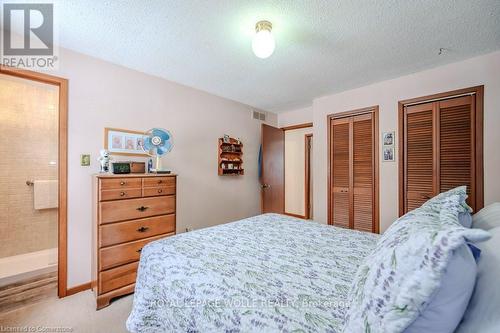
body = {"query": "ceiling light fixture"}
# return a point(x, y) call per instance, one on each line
point(263, 42)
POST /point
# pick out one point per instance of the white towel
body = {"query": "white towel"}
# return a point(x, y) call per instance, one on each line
point(46, 194)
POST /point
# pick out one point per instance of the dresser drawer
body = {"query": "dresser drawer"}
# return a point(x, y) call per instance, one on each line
point(160, 190)
point(121, 210)
point(116, 233)
point(124, 193)
point(158, 181)
point(117, 277)
point(123, 254)
point(117, 183)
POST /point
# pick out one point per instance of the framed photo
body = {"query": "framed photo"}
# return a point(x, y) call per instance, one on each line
point(388, 138)
point(388, 154)
point(124, 142)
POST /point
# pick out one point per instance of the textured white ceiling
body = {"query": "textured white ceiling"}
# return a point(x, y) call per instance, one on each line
point(322, 46)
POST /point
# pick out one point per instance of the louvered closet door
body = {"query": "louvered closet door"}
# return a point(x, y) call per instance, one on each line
point(419, 155)
point(456, 145)
point(440, 150)
point(340, 131)
point(363, 172)
point(353, 172)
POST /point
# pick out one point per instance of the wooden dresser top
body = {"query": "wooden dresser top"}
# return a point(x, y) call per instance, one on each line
point(133, 175)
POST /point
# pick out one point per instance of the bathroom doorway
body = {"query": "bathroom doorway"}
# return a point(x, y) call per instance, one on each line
point(33, 185)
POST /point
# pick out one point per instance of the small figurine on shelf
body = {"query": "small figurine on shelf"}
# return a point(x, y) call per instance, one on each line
point(150, 165)
point(104, 160)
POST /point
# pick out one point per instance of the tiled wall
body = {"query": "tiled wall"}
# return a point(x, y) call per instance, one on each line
point(28, 151)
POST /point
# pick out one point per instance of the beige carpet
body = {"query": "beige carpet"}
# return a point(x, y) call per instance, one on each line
point(76, 312)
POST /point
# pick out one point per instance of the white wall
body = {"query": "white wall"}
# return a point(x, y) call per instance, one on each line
point(295, 117)
point(476, 71)
point(102, 94)
point(295, 154)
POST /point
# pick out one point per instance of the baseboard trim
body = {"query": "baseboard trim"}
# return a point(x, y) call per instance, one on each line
point(296, 215)
point(77, 289)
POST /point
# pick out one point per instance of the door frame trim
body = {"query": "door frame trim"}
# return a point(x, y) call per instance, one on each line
point(298, 126)
point(375, 111)
point(62, 248)
point(479, 138)
point(307, 177)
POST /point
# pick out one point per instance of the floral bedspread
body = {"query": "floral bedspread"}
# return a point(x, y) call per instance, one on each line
point(267, 273)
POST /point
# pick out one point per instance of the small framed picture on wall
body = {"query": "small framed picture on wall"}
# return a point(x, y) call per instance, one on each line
point(388, 154)
point(388, 138)
point(388, 144)
point(124, 142)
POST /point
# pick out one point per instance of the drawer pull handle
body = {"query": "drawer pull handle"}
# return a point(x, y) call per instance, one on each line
point(142, 229)
point(122, 194)
point(160, 191)
point(139, 251)
point(122, 183)
point(160, 181)
point(142, 208)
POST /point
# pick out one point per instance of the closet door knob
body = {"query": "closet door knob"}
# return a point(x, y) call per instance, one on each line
point(122, 194)
point(142, 229)
point(142, 208)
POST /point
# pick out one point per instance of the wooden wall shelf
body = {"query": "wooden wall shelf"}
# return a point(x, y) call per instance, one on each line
point(230, 161)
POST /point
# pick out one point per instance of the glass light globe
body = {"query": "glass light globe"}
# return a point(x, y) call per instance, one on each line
point(263, 44)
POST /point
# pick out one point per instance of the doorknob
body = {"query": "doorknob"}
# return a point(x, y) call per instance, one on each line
point(265, 186)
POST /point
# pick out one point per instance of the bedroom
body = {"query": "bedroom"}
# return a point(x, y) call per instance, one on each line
point(231, 81)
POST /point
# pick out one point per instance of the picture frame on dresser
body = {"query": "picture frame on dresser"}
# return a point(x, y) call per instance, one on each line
point(129, 211)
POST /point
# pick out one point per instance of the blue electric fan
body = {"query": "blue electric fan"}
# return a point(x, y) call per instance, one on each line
point(158, 142)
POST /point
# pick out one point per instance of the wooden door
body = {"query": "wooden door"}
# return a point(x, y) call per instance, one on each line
point(456, 145)
point(273, 172)
point(353, 188)
point(363, 172)
point(340, 151)
point(441, 147)
point(419, 155)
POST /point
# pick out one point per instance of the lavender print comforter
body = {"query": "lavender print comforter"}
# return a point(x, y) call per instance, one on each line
point(266, 273)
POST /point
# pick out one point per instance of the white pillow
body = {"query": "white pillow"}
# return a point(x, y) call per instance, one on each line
point(465, 219)
point(448, 304)
point(399, 279)
point(487, 218)
point(482, 314)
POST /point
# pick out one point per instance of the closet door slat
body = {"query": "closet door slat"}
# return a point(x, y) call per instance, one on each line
point(419, 156)
point(340, 172)
point(363, 177)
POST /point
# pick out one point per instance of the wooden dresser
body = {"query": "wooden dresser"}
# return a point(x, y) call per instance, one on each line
point(129, 212)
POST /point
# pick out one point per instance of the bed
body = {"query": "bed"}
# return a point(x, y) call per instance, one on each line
point(430, 271)
point(265, 273)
